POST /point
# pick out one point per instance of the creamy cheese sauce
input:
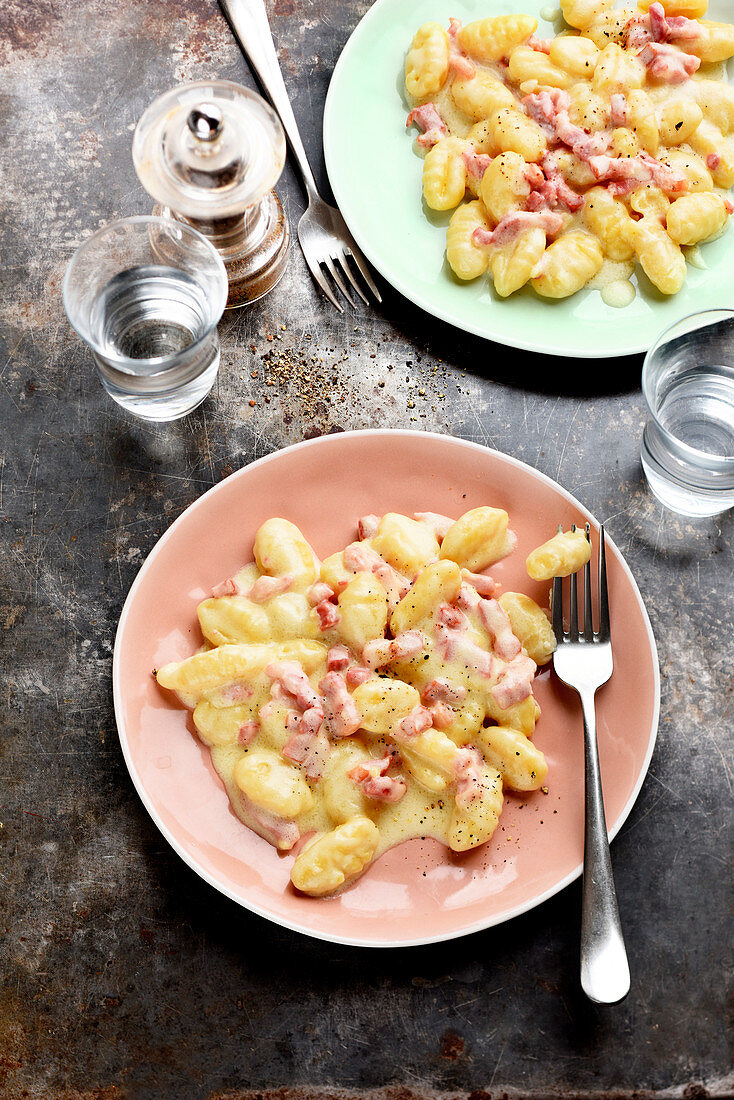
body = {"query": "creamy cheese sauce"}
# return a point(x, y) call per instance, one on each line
point(446, 770)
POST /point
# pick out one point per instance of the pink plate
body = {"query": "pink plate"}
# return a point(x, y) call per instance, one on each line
point(416, 893)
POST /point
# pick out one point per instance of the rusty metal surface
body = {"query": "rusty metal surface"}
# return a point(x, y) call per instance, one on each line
point(122, 974)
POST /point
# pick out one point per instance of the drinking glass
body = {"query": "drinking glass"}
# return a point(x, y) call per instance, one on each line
point(146, 293)
point(688, 443)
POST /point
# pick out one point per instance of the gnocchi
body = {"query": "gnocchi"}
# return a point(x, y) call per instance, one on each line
point(382, 694)
point(560, 556)
point(538, 146)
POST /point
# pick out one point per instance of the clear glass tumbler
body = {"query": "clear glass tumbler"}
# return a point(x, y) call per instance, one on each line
point(146, 294)
point(688, 443)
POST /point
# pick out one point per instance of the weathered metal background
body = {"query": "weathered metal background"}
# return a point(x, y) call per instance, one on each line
point(123, 975)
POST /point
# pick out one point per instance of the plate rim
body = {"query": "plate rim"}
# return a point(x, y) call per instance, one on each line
point(296, 926)
point(416, 297)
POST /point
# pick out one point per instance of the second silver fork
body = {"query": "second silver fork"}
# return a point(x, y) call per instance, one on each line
point(583, 660)
point(322, 232)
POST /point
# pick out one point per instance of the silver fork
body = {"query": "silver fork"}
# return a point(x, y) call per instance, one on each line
point(584, 662)
point(322, 231)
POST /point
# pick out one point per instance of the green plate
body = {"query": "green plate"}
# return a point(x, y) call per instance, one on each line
point(376, 178)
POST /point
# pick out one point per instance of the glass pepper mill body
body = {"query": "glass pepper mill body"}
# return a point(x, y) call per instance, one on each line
point(210, 153)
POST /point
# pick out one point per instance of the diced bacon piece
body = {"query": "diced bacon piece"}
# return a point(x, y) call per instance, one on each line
point(553, 190)
point(310, 749)
point(658, 22)
point(476, 164)
point(643, 168)
point(468, 597)
point(341, 716)
point(540, 45)
point(544, 106)
point(533, 174)
point(443, 715)
point(666, 178)
point(441, 690)
point(337, 659)
point(582, 144)
point(543, 198)
point(681, 29)
point(499, 628)
point(620, 188)
point(266, 711)
point(617, 168)
point(292, 678)
point(637, 32)
point(439, 524)
point(367, 525)
point(429, 122)
point(484, 585)
point(237, 693)
point(549, 108)
point(372, 777)
point(418, 721)
point(520, 220)
point(451, 617)
point(461, 66)
point(713, 160)
point(481, 236)
point(384, 788)
point(311, 721)
point(318, 592)
point(618, 102)
point(455, 645)
point(265, 587)
point(363, 559)
point(407, 644)
point(376, 653)
point(668, 64)
point(283, 834)
point(381, 651)
point(247, 732)
point(303, 841)
point(293, 721)
point(671, 28)
point(394, 584)
point(328, 614)
point(357, 675)
point(514, 684)
point(469, 776)
point(656, 26)
point(296, 747)
point(360, 558)
point(459, 63)
point(231, 587)
point(278, 694)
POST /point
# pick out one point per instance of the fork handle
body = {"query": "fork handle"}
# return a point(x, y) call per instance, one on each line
point(249, 22)
point(605, 976)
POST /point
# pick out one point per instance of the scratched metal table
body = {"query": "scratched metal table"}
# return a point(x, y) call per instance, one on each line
point(123, 975)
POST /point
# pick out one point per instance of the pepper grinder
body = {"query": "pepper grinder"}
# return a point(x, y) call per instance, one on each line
point(210, 153)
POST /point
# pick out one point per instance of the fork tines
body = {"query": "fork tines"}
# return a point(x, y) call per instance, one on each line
point(337, 265)
point(331, 258)
point(587, 634)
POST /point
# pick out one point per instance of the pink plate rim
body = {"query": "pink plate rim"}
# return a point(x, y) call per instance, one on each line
point(296, 926)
